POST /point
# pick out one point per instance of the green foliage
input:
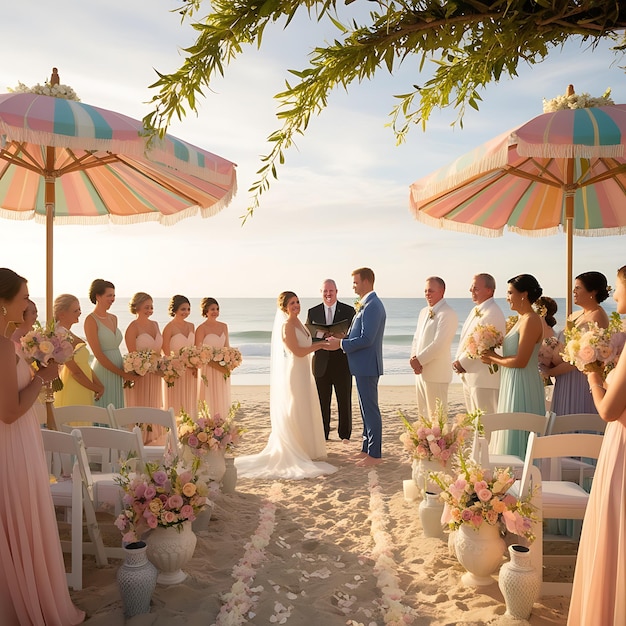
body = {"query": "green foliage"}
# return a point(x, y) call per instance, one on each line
point(471, 42)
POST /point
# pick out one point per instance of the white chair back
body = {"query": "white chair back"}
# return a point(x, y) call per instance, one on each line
point(121, 444)
point(68, 416)
point(575, 422)
point(131, 416)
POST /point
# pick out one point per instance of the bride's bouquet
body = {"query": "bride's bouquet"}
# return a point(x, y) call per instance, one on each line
point(484, 337)
point(595, 349)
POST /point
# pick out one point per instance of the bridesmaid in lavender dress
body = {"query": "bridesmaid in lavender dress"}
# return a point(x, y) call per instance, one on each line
point(213, 387)
point(144, 334)
point(178, 334)
point(33, 586)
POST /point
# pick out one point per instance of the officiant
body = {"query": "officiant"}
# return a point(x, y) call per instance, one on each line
point(330, 368)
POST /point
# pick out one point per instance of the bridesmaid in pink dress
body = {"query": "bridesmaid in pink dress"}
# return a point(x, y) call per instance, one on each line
point(178, 334)
point(599, 593)
point(144, 334)
point(212, 386)
point(33, 586)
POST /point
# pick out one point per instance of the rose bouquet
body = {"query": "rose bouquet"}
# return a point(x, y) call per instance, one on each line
point(171, 368)
point(595, 349)
point(140, 362)
point(164, 495)
point(42, 345)
point(207, 432)
point(477, 496)
point(484, 337)
point(436, 438)
point(190, 356)
point(227, 357)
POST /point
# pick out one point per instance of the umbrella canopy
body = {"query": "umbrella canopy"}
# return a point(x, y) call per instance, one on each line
point(564, 170)
point(72, 163)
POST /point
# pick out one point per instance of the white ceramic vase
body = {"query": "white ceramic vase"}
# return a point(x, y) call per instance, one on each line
point(200, 525)
point(229, 479)
point(480, 552)
point(421, 470)
point(136, 579)
point(519, 583)
point(430, 510)
point(169, 549)
point(213, 465)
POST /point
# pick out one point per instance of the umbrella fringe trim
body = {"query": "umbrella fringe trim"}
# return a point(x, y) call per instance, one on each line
point(459, 227)
point(477, 168)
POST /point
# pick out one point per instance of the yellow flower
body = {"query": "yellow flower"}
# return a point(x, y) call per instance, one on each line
point(155, 505)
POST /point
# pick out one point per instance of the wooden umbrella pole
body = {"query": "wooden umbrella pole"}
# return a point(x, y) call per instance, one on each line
point(569, 235)
point(49, 201)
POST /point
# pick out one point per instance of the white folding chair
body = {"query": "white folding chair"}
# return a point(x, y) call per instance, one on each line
point(576, 470)
point(557, 499)
point(120, 445)
point(494, 422)
point(69, 492)
point(75, 416)
point(131, 416)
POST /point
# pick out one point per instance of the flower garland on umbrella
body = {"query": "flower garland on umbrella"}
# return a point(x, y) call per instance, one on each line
point(52, 87)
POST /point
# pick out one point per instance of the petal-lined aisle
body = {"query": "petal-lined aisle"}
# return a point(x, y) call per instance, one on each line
point(341, 547)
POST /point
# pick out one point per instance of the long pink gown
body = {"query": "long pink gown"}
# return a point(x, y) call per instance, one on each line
point(33, 586)
point(147, 390)
point(216, 390)
point(184, 393)
point(599, 592)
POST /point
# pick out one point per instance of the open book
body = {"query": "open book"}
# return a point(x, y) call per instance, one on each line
point(320, 331)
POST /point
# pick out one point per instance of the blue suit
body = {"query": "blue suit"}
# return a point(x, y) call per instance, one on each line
point(364, 348)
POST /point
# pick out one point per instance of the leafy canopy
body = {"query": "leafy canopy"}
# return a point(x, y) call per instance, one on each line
point(471, 43)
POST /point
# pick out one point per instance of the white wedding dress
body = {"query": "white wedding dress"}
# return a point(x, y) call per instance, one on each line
point(297, 435)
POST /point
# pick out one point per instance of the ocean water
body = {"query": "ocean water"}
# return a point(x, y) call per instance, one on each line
point(250, 323)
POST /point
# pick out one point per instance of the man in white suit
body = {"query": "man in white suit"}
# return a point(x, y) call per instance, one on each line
point(430, 352)
point(480, 387)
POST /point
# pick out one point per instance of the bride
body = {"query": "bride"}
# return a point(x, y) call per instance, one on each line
point(297, 434)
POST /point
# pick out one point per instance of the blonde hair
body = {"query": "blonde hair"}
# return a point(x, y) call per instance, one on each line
point(62, 303)
point(137, 300)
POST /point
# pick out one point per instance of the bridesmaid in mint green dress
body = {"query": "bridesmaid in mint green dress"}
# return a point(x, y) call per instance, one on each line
point(104, 339)
point(521, 387)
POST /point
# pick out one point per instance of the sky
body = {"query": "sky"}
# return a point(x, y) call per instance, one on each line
point(341, 200)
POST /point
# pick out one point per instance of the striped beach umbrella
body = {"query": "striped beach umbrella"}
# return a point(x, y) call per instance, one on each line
point(66, 162)
point(564, 170)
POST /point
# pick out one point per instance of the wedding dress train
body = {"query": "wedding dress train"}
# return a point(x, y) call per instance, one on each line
point(297, 435)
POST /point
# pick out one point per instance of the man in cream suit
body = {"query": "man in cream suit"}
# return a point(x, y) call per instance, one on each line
point(480, 387)
point(430, 352)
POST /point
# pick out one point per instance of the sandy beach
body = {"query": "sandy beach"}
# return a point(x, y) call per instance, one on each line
point(323, 561)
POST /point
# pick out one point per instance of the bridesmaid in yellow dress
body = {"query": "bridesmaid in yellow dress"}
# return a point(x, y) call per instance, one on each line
point(178, 334)
point(144, 334)
point(80, 384)
point(33, 586)
point(599, 592)
point(212, 386)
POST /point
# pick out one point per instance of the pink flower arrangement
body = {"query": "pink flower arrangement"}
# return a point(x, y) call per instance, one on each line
point(595, 349)
point(436, 438)
point(477, 496)
point(165, 495)
point(42, 345)
point(227, 357)
point(171, 368)
point(190, 356)
point(207, 432)
point(484, 337)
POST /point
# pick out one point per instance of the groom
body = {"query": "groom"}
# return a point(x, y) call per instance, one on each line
point(364, 347)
